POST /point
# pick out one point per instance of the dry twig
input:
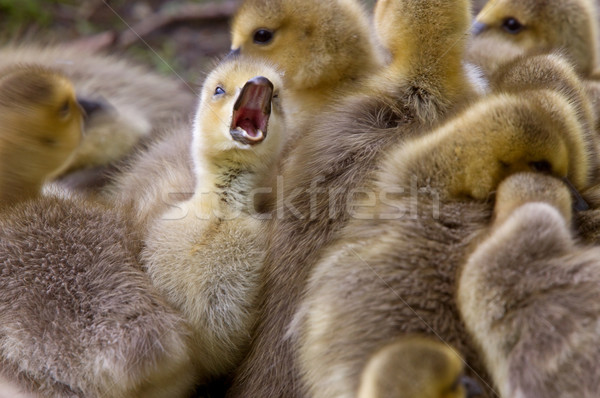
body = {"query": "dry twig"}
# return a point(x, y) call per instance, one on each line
point(184, 13)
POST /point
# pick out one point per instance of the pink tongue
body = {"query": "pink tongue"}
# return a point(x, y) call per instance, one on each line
point(250, 119)
point(249, 126)
point(251, 111)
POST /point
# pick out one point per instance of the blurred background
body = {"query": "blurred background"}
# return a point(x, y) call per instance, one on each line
point(182, 36)
point(185, 37)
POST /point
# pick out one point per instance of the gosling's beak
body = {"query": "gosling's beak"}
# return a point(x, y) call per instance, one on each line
point(90, 107)
point(233, 53)
point(579, 203)
point(477, 28)
point(251, 111)
point(471, 387)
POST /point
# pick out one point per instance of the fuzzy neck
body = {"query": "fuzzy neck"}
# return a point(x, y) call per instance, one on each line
point(227, 183)
point(429, 56)
point(429, 90)
point(432, 67)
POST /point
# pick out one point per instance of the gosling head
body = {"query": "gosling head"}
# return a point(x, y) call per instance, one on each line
point(534, 26)
point(416, 367)
point(316, 43)
point(401, 25)
point(521, 188)
point(548, 71)
point(534, 131)
point(40, 125)
point(240, 115)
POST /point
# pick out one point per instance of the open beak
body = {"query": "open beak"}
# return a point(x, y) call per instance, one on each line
point(251, 111)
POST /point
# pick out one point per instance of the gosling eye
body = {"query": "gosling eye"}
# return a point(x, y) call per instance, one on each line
point(219, 90)
point(65, 109)
point(263, 36)
point(275, 102)
point(542, 166)
point(512, 26)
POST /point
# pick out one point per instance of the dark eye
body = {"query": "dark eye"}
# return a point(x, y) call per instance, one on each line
point(512, 26)
point(541, 166)
point(263, 36)
point(65, 109)
point(219, 90)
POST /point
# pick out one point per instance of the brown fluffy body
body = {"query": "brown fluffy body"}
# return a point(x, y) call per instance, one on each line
point(205, 254)
point(157, 178)
point(393, 270)
point(337, 155)
point(140, 102)
point(528, 294)
point(413, 367)
point(588, 222)
point(41, 126)
point(79, 317)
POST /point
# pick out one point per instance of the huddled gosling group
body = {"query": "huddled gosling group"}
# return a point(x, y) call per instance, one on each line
point(397, 205)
